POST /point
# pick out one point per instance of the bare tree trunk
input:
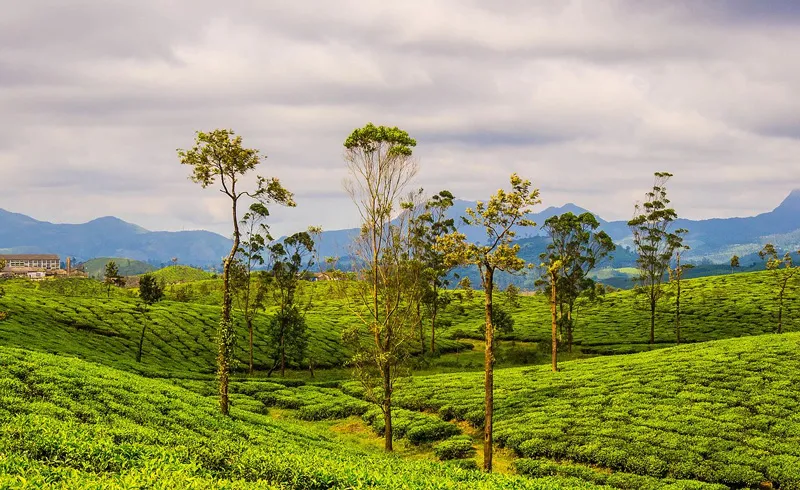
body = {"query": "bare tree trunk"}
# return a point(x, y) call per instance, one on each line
point(570, 328)
point(226, 325)
point(283, 356)
point(433, 325)
point(311, 366)
point(554, 322)
point(387, 410)
point(488, 373)
point(421, 331)
point(250, 330)
point(678, 305)
point(652, 319)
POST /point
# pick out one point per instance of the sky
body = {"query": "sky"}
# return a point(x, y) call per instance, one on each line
point(584, 98)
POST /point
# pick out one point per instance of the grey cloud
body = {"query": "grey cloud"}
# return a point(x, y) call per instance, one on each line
point(586, 99)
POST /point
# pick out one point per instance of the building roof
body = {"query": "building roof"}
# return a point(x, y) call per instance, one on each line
point(29, 257)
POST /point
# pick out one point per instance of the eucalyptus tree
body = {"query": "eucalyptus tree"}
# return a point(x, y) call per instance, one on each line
point(111, 276)
point(380, 165)
point(655, 243)
point(249, 294)
point(291, 259)
point(783, 270)
point(499, 217)
point(466, 285)
point(427, 228)
point(219, 157)
point(576, 247)
point(675, 275)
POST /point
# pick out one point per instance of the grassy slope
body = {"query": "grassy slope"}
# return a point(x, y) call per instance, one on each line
point(181, 273)
point(711, 308)
point(724, 412)
point(127, 267)
point(179, 339)
point(65, 423)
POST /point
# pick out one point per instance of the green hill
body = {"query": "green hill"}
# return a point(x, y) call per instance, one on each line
point(127, 267)
point(175, 274)
point(65, 423)
point(723, 412)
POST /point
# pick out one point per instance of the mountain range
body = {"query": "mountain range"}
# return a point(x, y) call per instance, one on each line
point(711, 240)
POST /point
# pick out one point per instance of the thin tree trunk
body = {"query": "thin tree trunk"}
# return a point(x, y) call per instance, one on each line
point(283, 356)
point(433, 323)
point(250, 330)
point(311, 366)
point(488, 373)
point(554, 322)
point(652, 320)
point(226, 326)
point(421, 330)
point(570, 328)
point(678, 307)
point(387, 409)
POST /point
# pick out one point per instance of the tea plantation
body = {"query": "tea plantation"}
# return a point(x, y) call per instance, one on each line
point(723, 412)
point(66, 423)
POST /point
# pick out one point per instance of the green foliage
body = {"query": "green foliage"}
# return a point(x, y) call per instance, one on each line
point(150, 290)
point(95, 268)
point(417, 428)
point(458, 447)
point(65, 423)
point(654, 242)
point(175, 274)
point(722, 412)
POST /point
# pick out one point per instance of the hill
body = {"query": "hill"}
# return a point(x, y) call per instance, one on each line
point(65, 423)
point(109, 237)
point(127, 267)
point(74, 317)
point(723, 412)
point(175, 274)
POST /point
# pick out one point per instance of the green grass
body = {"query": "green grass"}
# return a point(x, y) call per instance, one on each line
point(65, 423)
point(721, 412)
point(712, 308)
point(175, 274)
point(127, 267)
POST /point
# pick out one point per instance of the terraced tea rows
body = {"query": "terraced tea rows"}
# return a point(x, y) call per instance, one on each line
point(722, 412)
point(65, 423)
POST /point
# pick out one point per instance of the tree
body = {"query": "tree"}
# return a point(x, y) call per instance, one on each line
point(427, 228)
point(112, 277)
point(512, 295)
point(576, 247)
point(654, 242)
point(291, 259)
point(735, 263)
point(150, 293)
point(504, 212)
point(218, 156)
point(248, 294)
point(466, 284)
point(782, 276)
point(380, 166)
point(675, 276)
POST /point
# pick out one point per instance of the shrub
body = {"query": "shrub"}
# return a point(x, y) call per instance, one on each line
point(459, 447)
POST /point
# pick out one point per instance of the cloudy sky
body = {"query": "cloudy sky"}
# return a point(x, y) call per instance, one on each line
point(585, 98)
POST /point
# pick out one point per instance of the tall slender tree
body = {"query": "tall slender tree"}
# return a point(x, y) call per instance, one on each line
point(112, 277)
point(427, 228)
point(735, 263)
point(380, 166)
point(249, 294)
point(577, 246)
point(291, 259)
point(783, 270)
point(654, 242)
point(218, 156)
point(505, 211)
point(675, 276)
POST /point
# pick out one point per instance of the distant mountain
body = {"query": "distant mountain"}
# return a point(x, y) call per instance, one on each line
point(109, 237)
point(717, 239)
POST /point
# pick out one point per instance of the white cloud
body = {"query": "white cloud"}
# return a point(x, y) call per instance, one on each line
point(586, 99)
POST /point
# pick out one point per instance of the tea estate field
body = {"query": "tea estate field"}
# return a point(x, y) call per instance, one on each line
point(76, 317)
